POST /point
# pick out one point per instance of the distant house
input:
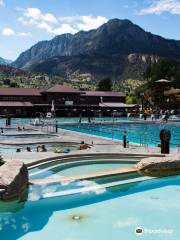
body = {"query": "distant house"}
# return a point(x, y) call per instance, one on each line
point(41, 78)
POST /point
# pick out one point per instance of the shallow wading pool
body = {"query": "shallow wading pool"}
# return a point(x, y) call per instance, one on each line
point(79, 166)
point(50, 147)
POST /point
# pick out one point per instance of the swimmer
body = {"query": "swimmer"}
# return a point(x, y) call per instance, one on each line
point(19, 129)
point(43, 148)
point(28, 149)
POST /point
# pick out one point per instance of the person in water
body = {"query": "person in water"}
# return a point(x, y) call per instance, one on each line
point(43, 148)
point(28, 149)
point(84, 146)
point(19, 129)
point(2, 131)
point(38, 147)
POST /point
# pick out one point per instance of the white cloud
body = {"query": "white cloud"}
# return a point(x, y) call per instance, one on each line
point(161, 6)
point(2, 4)
point(35, 14)
point(8, 32)
point(45, 26)
point(84, 22)
point(24, 34)
point(65, 28)
point(59, 25)
point(89, 22)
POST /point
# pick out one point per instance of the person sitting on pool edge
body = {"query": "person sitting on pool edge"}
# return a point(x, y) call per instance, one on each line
point(84, 146)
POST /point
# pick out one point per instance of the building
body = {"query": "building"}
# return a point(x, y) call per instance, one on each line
point(29, 102)
point(19, 101)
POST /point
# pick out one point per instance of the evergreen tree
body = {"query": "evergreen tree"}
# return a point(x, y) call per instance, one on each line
point(105, 85)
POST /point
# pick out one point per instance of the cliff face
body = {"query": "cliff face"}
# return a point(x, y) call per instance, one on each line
point(99, 66)
point(116, 45)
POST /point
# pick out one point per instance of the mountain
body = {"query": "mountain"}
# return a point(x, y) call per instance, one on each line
point(5, 61)
point(99, 66)
point(112, 49)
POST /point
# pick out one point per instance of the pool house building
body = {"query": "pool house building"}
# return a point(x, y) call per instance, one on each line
point(67, 101)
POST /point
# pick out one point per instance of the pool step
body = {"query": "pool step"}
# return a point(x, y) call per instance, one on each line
point(73, 163)
point(98, 188)
point(83, 177)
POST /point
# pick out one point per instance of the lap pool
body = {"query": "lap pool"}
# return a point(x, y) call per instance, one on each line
point(141, 133)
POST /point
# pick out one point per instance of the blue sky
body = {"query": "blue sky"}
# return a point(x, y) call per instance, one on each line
point(25, 22)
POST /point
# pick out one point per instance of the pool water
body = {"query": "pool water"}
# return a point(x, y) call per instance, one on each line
point(113, 214)
point(140, 133)
point(82, 166)
point(14, 130)
point(22, 136)
point(50, 147)
point(22, 121)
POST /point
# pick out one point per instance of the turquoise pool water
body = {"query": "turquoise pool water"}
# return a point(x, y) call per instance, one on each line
point(18, 121)
point(21, 121)
point(82, 166)
point(147, 133)
point(113, 213)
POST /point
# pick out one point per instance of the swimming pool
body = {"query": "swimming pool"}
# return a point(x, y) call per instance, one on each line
point(79, 166)
point(141, 133)
point(52, 147)
point(112, 213)
point(18, 121)
point(14, 130)
point(25, 136)
point(22, 121)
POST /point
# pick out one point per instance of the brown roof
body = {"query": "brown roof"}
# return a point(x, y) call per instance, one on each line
point(20, 91)
point(172, 91)
point(15, 104)
point(104, 94)
point(62, 89)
